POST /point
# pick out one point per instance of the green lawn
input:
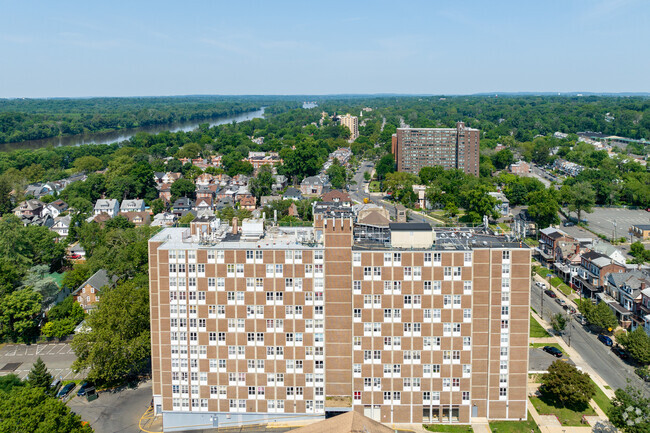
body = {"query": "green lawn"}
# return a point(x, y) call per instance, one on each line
point(556, 281)
point(603, 402)
point(504, 227)
point(449, 428)
point(557, 346)
point(531, 242)
point(58, 278)
point(374, 186)
point(514, 426)
point(565, 289)
point(567, 417)
point(536, 330)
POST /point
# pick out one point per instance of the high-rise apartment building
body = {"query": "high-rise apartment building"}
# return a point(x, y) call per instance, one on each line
point(458, 147)
point(257, 324)
point(352, 123)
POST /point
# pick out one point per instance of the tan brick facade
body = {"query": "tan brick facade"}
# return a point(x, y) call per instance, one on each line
point(431, 335)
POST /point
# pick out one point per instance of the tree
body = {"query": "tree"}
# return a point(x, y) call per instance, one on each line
point(39, 280)
point(337, 174)
point(558, 322)
point(477, 202)
point(32, 409)
point(637, 343)
point(183, 188)
point(262, 184)
point(630, 410)
point(76, 276)
point(429, 174)
point(39, 376)
point(10, 381)
point(385, 165)
point(69, 308)
point(566, 385)
point(502, 159)
point(157, 206)
point(599, 315)
point(580, 197)
point(58, 328)
point(544, 207)
point(451, 210)
point(116, 346)
point(18, 312)
point(174, 165)
point(400, 185)
point(88, 163)
point(366, 176)
point(186, 219)
point(303, 161)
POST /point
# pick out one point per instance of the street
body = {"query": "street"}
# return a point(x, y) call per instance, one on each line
point(357, 193)
point(610, 367)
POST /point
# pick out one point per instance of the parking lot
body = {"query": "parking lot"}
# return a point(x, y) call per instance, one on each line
point(602, 220)
point(19, 358)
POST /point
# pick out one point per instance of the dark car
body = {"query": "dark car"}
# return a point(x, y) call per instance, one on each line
point(550, 293)
point(605, 340)
point(643, 373)
point(570, 309)
point(553, 351)
point(620, 352)
point(66, 390)
point(83, 388)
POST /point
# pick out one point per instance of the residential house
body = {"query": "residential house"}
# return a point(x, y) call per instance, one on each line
point(139, 219)
point(132, 206)
point(594, 268)
point(247, 202)
point(158, 177)
point(204, 179)
point(61, 225)
point(164, 219)
point(88, 294)
point(44, 220)
point(645, 307)
point(55, 208)
point(77, 250)
point(623, 294)
point(292, 194)
point(337, 196)
point(279, 182)
point(29, 208)
point(224, 203)
point(182, 206)
point(520, 168)
point(38, 190)
point(265, 200)
point(503, 204)
point(550, 242)
point(171, 177)
point(641, 231)
point(165, 192)
point(610, 251)
point(313, 185)
point(110, 207)
point(259, 159)
point(204, 203)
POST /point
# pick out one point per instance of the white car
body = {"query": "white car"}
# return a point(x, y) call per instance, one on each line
point(540, 284)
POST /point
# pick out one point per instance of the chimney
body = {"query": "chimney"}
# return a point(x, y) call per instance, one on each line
point(642, 285)
point(235, 226)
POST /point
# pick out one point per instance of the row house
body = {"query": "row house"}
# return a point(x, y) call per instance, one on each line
point(170, 177)
point(593, 272)
point(257, 161)
point(314, 185)
point(337, 196)
point(625, 296)
point(136, 205)
point(552, 242)
point(29, 208)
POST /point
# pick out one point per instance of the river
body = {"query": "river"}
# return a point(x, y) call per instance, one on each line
point(125, 134)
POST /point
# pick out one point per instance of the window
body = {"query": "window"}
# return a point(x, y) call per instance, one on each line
point(457, 301)
point(467, 314)
point(356, 287)
point(503, 392)
point(505, 310)
point(467, 287)
point(505, 255)
point(356, 259)
point(427, 258)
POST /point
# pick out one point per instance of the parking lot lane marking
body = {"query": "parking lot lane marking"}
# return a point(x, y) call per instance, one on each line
point(68, 374)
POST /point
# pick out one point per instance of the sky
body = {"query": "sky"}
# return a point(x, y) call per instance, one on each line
point(151, 48)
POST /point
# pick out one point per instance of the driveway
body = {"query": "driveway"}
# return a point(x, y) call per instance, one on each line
point(115, 412)
point(19, 358)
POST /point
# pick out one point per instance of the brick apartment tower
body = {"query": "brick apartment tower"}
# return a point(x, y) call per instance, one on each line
point(414, 148)
point(249, 329)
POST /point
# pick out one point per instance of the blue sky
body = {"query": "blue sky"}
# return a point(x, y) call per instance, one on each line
point(120, 48)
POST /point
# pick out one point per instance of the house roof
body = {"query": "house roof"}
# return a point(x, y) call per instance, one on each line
point(135, 204)
point(98, 280)
point(633, 279)
point(103, 203)
point(642, 226)
point(335, 194)
point(593, 255)
point(312, 180)
point(137, 217)
point(59, 205)
point(410, 227)
point(374, 218)
point(350, 422)
point(183, 202)
point(292, 192)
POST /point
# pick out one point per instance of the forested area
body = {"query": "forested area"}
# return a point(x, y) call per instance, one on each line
point(30, 119)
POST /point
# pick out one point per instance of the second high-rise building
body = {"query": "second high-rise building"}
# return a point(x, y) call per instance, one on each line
point(457, 148)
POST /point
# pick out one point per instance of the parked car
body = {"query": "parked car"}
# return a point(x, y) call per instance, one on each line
point(568, 224)
point(550, 293)
point(66, 390)
point(605, 340)
point(74, 256)
point(83, 388)
point(553, 351)
point(570, 309)
point(540, 284)
point(580, 319)
point(619, 352)
point(56, 383)
point(561, 301)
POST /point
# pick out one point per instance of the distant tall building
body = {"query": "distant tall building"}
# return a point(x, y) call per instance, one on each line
point(352, 123)
point(458, 147)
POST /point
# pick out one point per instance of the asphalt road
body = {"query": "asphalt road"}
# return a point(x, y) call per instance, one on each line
point(357, 193)
point(611, 368)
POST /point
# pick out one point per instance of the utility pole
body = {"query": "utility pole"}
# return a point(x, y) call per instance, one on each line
point(570, 320)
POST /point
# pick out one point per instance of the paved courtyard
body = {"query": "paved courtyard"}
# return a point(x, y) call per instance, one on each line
point(19, 358)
